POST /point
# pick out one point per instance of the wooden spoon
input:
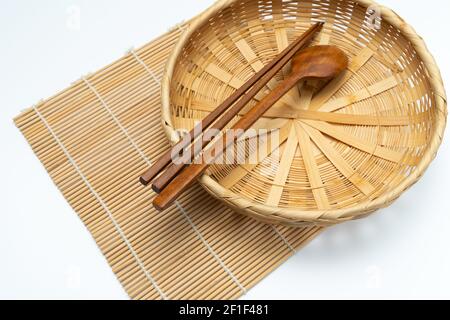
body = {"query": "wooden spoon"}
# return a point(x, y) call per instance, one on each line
point(317, 62)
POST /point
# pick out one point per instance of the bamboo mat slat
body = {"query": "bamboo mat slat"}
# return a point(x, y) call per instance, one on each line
point(95, 139)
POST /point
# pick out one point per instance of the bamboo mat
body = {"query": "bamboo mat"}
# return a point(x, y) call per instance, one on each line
point(96, 138)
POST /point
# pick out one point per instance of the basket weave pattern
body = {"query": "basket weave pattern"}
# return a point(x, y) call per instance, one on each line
point(349, 147)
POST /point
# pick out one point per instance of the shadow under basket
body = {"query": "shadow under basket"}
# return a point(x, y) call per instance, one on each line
point(346, 148)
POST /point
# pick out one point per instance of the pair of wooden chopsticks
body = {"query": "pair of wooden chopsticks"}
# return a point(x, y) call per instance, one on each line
point(170, 184)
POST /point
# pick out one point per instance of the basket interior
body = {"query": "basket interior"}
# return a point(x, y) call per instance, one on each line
point(343, 142)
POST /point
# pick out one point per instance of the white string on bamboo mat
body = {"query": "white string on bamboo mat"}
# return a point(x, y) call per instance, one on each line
point(286, 242)
point(210, 249)
point(102, 203)
point(149, 163)
point(180, 26)
point(125, 131)
point(152, 74)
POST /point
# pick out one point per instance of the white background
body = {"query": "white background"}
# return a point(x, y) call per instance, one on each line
point(45, 251)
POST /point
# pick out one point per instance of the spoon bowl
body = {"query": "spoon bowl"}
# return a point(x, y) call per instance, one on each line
point(323, 61)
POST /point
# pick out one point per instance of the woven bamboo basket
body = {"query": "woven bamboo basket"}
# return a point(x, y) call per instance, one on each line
point(348, 147)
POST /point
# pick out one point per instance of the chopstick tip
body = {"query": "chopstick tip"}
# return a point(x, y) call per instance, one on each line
point(156, 189)
point(158, 205)
point(144, 182)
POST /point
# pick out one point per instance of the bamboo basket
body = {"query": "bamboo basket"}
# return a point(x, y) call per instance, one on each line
point(347, 149)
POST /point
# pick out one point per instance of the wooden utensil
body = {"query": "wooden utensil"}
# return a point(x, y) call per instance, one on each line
point(318, 62)
point(255, 84)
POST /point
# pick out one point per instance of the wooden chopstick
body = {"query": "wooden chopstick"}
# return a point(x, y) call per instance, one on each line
point(181, 182)
point(256, 83)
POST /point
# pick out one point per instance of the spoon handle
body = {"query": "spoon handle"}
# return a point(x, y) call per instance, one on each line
point(191, 173)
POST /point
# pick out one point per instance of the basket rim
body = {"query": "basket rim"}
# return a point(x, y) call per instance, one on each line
point(318, 217)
